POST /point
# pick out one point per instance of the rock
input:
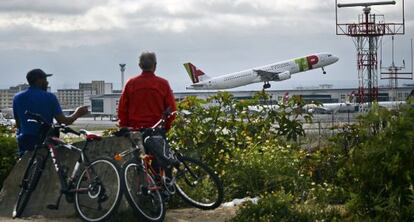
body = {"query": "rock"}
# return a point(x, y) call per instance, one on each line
point(47, 189)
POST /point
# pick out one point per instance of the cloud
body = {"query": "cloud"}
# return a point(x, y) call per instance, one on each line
point(72, 24)
point(220, 35)
point(72, 7)
point(95, 19)
point(170, 15)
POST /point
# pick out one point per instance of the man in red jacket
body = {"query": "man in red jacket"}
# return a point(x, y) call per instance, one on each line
point(145, 97)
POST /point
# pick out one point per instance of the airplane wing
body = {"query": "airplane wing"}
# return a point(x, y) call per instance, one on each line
point(272, 76)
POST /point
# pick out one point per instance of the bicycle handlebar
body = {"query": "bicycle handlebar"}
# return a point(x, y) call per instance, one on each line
point(70, 130)
point(166, 114)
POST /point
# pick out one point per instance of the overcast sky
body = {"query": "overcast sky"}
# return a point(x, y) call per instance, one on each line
point(80, 41)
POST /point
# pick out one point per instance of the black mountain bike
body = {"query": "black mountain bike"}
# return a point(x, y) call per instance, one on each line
point(94, 186)
point(148, 186)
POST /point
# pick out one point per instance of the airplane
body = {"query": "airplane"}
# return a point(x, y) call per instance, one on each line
point(331, 107)
point(273, 72)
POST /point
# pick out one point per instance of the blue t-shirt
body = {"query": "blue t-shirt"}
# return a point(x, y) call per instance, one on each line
point(37, 101)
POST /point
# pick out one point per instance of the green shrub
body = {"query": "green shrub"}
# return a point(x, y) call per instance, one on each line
point(109, 131)
point(271, 207)
point(249, 150)
point(379, 173)
point(8, 152)
point(366, 169)
point(326, 167)
point(281, 206)
point(266, 168)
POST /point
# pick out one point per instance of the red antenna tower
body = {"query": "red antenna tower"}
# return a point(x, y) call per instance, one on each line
point(365, 34)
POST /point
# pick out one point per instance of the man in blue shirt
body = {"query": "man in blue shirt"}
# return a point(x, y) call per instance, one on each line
point(36, 99)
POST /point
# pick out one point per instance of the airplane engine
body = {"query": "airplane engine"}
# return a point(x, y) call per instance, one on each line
point(283, 76)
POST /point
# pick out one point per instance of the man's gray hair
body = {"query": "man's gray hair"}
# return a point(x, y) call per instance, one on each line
point(147, 61)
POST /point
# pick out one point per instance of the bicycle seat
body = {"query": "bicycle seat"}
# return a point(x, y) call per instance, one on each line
point(90, 136)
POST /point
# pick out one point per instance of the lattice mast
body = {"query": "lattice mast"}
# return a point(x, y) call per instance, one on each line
point(366, 34)
point(393, 72)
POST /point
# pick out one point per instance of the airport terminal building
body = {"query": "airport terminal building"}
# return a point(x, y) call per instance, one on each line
point(107, 105)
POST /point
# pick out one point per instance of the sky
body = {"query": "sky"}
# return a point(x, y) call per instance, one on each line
point(81, 41)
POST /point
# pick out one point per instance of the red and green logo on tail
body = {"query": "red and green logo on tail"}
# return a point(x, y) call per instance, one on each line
point(193, 72)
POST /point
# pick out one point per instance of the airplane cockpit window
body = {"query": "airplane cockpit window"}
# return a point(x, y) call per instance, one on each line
point(329, 55)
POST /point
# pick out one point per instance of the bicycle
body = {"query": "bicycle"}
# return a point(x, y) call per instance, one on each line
point(142, 180)
point(94, 198)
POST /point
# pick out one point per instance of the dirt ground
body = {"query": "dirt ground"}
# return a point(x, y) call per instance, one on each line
point(221, 214)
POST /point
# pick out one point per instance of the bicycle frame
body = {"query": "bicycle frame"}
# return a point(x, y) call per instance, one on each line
point(145, 159)
point(85, 179)
point(140, 153)
point(52, 143)
point(62, 175)
point(165, 175)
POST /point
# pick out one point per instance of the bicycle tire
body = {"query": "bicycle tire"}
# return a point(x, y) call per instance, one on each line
point(140, 188)
point(29, 183)
point(209, 183)
point(91, 193)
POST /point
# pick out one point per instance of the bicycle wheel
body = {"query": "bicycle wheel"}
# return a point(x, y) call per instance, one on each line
point(197, 184)
point(29, 183)
point(142, 192)
point(98, 190)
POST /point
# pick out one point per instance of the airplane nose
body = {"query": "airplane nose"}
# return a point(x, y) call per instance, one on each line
point(335, 59)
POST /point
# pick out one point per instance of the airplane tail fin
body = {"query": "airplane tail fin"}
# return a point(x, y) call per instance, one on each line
point(196, 75)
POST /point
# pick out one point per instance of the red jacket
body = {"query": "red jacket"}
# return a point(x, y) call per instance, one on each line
point(144, 100)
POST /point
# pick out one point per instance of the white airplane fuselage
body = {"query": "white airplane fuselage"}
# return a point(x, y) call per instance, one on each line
point(273, 72)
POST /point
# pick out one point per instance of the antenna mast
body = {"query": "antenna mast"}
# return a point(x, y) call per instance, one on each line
point(365, 34)
point(393, 73)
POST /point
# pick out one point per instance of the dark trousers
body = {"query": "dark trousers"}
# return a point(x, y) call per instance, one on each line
point(27, 143)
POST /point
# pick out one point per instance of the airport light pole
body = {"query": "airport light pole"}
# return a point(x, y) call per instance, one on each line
point(122, 66)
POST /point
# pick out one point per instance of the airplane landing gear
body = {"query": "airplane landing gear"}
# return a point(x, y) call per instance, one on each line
point(266, 85)
point(323, 71)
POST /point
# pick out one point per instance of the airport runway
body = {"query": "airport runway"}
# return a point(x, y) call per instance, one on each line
point(92, 124)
